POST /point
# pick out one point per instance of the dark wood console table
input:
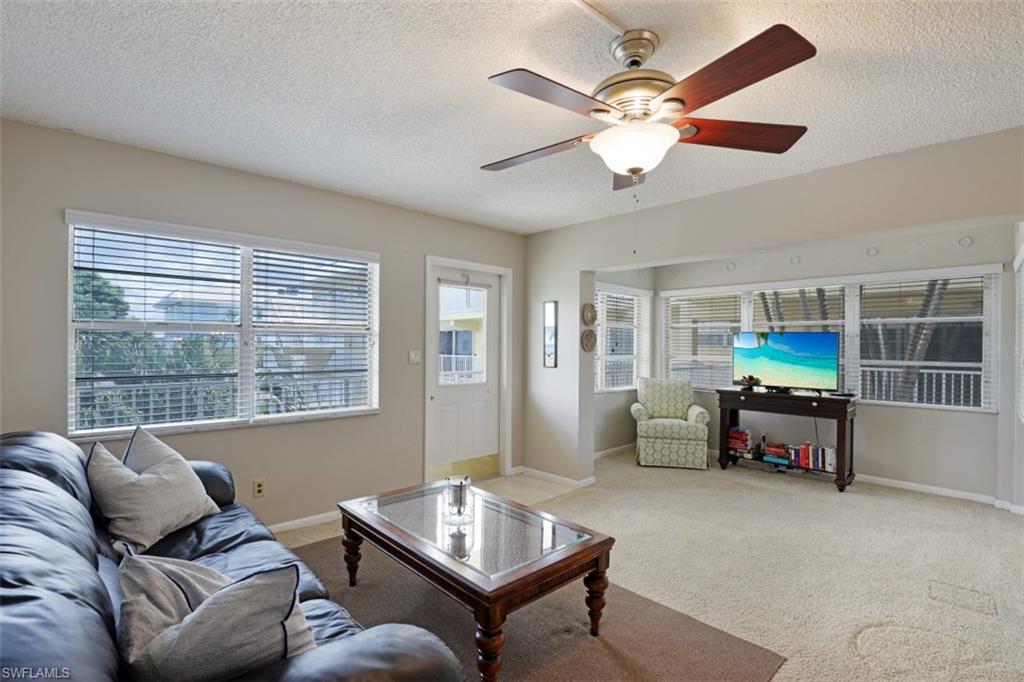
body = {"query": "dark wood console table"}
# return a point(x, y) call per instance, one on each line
point(839, 409)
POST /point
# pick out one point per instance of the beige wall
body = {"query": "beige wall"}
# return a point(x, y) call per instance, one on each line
point(308, 466)
point(966, 179)
point(613, 424)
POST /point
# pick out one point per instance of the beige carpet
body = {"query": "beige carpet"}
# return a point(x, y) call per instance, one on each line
point(550, 638)
point(872, 584)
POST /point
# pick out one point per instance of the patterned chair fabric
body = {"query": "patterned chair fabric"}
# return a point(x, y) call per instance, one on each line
point(671, 431)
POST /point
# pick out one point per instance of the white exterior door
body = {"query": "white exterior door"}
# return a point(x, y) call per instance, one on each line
point(462, 365)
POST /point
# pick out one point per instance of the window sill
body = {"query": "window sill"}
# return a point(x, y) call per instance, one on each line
point(219, 425)
point(615, 390)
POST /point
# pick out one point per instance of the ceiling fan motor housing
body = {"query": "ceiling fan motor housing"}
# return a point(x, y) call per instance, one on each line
point(634, 47)
point(632, 91)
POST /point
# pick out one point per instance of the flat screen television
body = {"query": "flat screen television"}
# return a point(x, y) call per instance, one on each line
point(788, 359)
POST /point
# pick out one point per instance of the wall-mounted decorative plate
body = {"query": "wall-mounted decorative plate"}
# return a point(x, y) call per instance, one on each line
point(588, 339)
point(589, 314)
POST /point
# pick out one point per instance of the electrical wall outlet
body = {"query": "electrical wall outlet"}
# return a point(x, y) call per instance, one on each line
point(259, 487)
point(415, 357)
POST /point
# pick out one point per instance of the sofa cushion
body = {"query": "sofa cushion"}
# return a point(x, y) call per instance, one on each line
point(675, 429)
point(235, 525)
point(28, 501)
point(43, 629)
point(154, 492)
point(30, 559)
point(329, 621)
point(48, 456)
point(263, 555)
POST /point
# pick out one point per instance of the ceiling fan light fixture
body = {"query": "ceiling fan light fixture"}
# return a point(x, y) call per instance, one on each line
point(634, 147)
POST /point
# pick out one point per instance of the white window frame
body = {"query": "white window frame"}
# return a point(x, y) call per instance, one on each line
point(1018, 268)
point(642, 339)
point(245, 329)
point(852, 322)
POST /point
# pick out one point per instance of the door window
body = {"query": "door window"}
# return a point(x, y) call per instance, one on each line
point(462, 342)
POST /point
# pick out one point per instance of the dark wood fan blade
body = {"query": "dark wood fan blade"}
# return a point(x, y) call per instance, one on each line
point(625, 181)
point(774, 138)
point(535, 154)
point(547, 90)
point(775, 50)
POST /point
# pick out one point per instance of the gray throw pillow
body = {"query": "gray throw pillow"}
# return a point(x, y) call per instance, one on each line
point(184, 621)
point(153, 493)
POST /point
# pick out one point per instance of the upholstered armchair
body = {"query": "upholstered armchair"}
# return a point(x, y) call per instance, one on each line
point(670, 430)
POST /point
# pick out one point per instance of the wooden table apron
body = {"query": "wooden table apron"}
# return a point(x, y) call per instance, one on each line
point(491, 604)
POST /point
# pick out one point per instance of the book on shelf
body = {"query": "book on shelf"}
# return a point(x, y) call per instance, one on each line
point(740, 442)
point(807, 455)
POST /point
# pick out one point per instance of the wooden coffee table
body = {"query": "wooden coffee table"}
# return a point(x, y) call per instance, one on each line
point(508, 556)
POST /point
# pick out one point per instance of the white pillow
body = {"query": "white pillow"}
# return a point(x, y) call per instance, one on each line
point(184, 621)
point(153, 493)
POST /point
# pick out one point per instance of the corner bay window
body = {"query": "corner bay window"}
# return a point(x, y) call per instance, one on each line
point(172, 329)
point(915, 341)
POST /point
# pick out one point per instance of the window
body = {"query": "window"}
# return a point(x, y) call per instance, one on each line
point(462, 344)
point(623, 327)
point(804, 309)
point(170, 329)
point(698, 338)
point(925, 342)
point(929, 339)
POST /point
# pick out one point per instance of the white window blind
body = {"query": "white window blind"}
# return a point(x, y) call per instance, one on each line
point(172, 330)
point(698, 332)
point(155, 330)
point(312, 330)
point(929, 341)
point(802, 310)
point(623, 352)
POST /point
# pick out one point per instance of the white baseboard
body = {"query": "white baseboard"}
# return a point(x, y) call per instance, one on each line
point(562, 480)
point(515, 471)
point(314, 520)
point(922, 488)
point(931, 490)
point(616, 450)
point(1009, 506)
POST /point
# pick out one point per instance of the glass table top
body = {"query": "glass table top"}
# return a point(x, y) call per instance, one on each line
point(498, 537)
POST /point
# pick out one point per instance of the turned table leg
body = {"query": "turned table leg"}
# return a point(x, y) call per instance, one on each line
point(596, 584)
point(351, 540)
point(489, 641)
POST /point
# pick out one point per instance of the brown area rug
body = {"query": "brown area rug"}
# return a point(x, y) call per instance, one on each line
point(550, 638)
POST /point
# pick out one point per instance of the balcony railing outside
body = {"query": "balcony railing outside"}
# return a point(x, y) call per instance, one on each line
point(932, 386)
point(460, 369)
point(108, 405)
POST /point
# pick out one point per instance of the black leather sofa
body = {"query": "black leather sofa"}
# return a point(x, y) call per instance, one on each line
point(60, 595)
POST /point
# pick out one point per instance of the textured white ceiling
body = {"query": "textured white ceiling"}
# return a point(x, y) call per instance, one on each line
point(390, 100)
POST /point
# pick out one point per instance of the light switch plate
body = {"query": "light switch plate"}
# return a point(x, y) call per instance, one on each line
point(415, 357)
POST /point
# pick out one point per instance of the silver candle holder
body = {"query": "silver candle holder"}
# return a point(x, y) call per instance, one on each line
point(458, 500)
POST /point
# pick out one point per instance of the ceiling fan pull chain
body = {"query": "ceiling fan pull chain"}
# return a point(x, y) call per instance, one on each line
point(636, 201)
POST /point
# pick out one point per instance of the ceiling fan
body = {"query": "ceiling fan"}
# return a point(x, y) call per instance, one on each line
point(649, 111)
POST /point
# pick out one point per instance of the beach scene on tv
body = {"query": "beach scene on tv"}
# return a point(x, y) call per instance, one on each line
point(788, 359)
